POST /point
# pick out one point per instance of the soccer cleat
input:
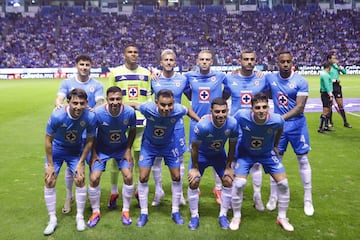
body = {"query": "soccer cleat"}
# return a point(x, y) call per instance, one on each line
point(235, 223)
point(50, 228)
point(258, 204)
point(93, 220)
point(308, 208)
point(182, 200)
point(327, 129)
point(67, 205)
point(157, 199)
point(113, 200)
point(80, 224)
point(217, 194)
point(194, 223)
point(320, 130)
point(224, 223)
point(142, 220)
point(271, 204)
point(284, 223)
point(347, 125)
point(126, 220)
point(176, 216)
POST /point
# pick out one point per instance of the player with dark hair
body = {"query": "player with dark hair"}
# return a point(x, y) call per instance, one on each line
point(290, 92)
point(116, 130)
point(326, 91)
point(95, 94)
point(208, 149)
point(63, 143)
point(260, 132)
point(335, 70)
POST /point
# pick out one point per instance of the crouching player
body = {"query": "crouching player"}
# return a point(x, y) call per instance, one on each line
point(207, 149)
point(113, 121)
point(260, 133)
point(63, 144)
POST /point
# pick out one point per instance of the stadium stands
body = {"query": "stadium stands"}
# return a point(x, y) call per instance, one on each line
point(56, 35)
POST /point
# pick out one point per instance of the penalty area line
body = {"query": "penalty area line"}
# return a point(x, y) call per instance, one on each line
point(354, 114)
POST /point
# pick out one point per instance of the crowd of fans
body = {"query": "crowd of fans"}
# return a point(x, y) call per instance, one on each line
point(54, 40)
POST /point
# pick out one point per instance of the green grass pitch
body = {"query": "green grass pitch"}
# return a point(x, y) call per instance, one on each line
point(25, 108)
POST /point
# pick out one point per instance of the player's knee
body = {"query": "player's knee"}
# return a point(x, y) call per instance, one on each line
point(227, 181)
point(283, 185)
point(79, 181)
point(128, 179)
point(50, 182)
point(194, 184)
point(143, 179)
point(239, 182)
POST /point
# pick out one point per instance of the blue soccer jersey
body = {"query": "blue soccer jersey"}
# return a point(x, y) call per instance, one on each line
point(285, 91)
point(159, 130)
point(93, 88)
point(67, 131)
point(212, 139)
point(242, 89)
point(203, 89)
point(256, 139)
point(111, 135)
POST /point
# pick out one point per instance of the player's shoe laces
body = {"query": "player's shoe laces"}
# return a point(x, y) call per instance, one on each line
point(67, 205)
point(182, 200)
point(176, 216)
point(217, 194)
point(194, 223)
point(80, 224)
point(113, 200)
point(50, 228)
point(142, 220)
point(235, 223)
point(347, 125)
point(258, 204)
point(93, 220)
point(126, 220)
point(308, 208)
point(224, 223)
point(284, 223)
point(157, 198)
point(271, 204)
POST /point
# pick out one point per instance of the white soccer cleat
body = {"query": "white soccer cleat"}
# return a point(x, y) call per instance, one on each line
point(67, 205)
point(80, 224)
point(157, 199)
point(258, 204)
point(235, 223)
point(284, 223)
point(50, 228)
point(308, 208)
point(271, 204)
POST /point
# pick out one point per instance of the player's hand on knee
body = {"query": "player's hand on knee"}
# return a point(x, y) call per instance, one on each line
point(228, 177)
point(194, 178)
point(50, 176)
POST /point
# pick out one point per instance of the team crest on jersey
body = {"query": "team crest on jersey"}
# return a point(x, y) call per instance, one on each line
point(246, 98)
point(82, 123)
point(177, 83)
point(71, 136)
point(115, 136)
point(173, 120)
point(256, 143)
point(141, 77)
point(283, 100)
point(269, 131)
point(159, 132)
point(213, 79)
point(227, 132)
point(257, 83)
point(92, 89)
point(204, 95)
point(291, 85)
point(216, 145)
point(126, 121)
point(133, 92)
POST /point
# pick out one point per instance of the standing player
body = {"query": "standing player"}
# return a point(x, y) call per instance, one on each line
point(203, 86)
point(175, 82)
point(113, 121)
point(326, 91)
point(95, 92)
point(135, 83)
point(260, 134)
point(158, 140)
point(335, 70)
point(244, 84)
point(63, 143)
point(210, 136)
point(290, 92)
